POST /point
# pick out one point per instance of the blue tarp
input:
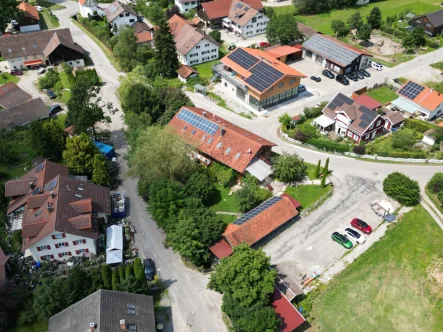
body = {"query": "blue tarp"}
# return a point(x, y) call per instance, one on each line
point(106, 150)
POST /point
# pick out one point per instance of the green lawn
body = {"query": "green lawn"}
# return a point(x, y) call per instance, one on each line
point(384, 143)
point(227, 218)
point(311, 170)
point(434, 199)
point(36, 327)
point(48, 21)
point(221, 201)
point(322, 22)
point(6, 77)
point(383, 94)
point(391, 287)
point(307, 194)
point(60, 119)
point(438, 65)
point(205, 69)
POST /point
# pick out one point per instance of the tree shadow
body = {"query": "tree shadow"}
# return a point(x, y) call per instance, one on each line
point(215, 198)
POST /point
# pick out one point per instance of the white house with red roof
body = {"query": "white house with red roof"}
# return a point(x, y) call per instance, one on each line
point(220, 140)
point(58, 214)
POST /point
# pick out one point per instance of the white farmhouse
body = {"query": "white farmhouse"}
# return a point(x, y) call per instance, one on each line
point(59, 215)
point(185, 5)
point(193, 46)
point(89, 8)
point(119, 14)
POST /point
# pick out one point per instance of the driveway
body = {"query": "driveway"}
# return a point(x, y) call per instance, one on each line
point(28, 82)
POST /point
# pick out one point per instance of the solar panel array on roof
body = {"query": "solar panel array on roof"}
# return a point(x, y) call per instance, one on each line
point(330, 50)
point(37, 191)
point(259, 209)
point(198, 121)
point(367, 117)
point(112, 9)
point(51, 184)
point(40, 167)
point(243, 58)
point(339, 100)
point(263, 76)
point(411, 90)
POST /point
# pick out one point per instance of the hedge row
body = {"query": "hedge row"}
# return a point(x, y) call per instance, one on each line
point(328, 146)
point(418, 125)
point(404, 154)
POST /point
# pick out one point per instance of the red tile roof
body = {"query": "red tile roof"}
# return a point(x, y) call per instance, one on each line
point(30, 10)
point(293, 201)
point(221, 249)
point(186, 71)
point(280, 51)
point(82, 206)
point(144, 36)
point(220, 8)
point(428, 98)
point(83, 221)
point(19, 187)
point(36, 201)
point(3, 260)
point(262, 224)
point(235, 148)
point(367, 101)
point(289, 315)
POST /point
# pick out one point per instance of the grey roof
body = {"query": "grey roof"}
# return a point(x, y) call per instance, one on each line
point(436, 18)
point(33, 43)
point(331, 49)
point(23, 114)
point(90, 3)
point(105, 309)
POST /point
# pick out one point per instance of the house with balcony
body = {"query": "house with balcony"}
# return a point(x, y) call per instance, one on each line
point(57, 214)
point(211, 137)
point(257, 78)
point(119, 14)
point(244, 18)
point(48, 47)
point(185, 5)
point(193, 46)
point(418, 100)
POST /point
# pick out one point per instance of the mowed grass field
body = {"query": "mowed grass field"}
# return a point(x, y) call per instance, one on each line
point(322, 22)
point(397, 285)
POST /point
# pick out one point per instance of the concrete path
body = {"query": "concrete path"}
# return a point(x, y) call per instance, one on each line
point(431, 208)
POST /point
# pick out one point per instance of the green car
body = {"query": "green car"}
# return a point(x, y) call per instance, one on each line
point(341, 239)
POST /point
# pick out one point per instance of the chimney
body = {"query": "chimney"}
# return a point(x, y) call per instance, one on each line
point(122, 325)
point(204, 114)
point(222, 131)
point(249, 151)
point(91, 326)
point(52, 193)
point(49, 208)
point(31, 185)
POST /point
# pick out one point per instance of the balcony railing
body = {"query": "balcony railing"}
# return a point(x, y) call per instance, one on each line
point(229, 76)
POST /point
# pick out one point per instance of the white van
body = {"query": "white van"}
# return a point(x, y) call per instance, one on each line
point(376, 66)
point(41, 70)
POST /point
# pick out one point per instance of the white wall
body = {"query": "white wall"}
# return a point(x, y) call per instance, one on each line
point(196, 56)
point(184, 7)
point(17, 63)
point(84, 11)
point(69, 238)
point(29, 28)
point(362, 2)
point(74, 63)
point(127, 19)
point(252, 29)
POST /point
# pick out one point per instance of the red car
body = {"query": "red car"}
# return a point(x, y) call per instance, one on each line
point(361, 226)
point(16, 72)
point(264, 44)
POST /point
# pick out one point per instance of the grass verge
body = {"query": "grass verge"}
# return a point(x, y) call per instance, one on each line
point(219, 100)
point(310, 169)
point(36, 327)
point(47, 20)
point(308, 194)
point(226, 218)
point(395, 286)
point(434, 199)
point(6, 77)
point(221, 201)
point(383, 94)
point(104, 48)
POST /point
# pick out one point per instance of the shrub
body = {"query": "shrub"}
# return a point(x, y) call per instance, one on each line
point(106, 276)
point(49, 80)
point(221, 173)
point(90, 75)
point(403, 139)
point(216, 35)
point(250, 196)
point(359, 149)
point(139, 272)
point(289, 167)
point(306, 131)
point(440, 197)
point(401, 188)
point(436, 183)
point(404, 154)
point(313, 112)
point(114, 280)
point(418, 125)
point(328, 145)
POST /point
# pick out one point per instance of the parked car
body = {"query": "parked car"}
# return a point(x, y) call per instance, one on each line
point(55, 109)
point(342, 79)
point(342, 240)
point(328, 74)
point(353, 77)
point(360, 75)
point(315, 78)
point(39, 8)
point(366, 73)
point(41, 70)
point(355, 236)
point(16, 72)
point(50, 94)
point(149, 266)
point(361, 226)
point(301, 88)
point(376, 66)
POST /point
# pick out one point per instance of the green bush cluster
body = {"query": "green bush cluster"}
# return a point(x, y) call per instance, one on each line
point(401, 188)
point(418, 125)
point(90, 75)
point(329, 145)
point(221, 173)
point(49, 80)
point(101, 31)
point(404, 154)
point(435, 186)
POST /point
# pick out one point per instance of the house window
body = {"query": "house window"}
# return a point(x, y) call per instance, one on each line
point(63, 254)
point(194, 61)
point(131, 20)
point(292, 81)
point(47, 257)
point(58, 236)
point(226, 85)
point(213, 57)
point(193, 132)
point(349, 134)
point(260, 17)
point(126, 14)
point(254, 19)
point(214, 50)
point(355, 137)
point(378, 123)
point(210, 141)
point(308, 54)
point(280, 85)
point(81, 251)
point(206, 45)
point(76, 242)
point(35, 57)
point(197, 47)
point(46, 247)
point(61, 244)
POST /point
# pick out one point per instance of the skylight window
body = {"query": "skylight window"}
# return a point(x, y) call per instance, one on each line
point(210, 141)
point(78, 196)
point(39, 212)
point(80, 188)
point(204, 137)
point(185, 127)
point(227, 151)
point(237, 155)
point(219, 145)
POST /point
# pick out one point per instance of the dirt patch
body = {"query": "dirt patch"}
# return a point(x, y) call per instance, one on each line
point(384, 46)
point(435, 273)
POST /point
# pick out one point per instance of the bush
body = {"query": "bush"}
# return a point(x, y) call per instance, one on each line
point(313, 112)
point(90, 75)
point(440, 197)
point(436, 183)
point(101, 32)
point(404, 154)
point(216, 35)
point(418, 125)
point(139, 271)
point(323, 144)
point(401, 188)
point(403, 139)
point(359, 149)
point(49, 80)
point(250, 196)
point(305, 132)
point(289, 167)
point(221, 173)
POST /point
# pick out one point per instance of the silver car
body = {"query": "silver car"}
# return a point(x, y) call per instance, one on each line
point(354, 235)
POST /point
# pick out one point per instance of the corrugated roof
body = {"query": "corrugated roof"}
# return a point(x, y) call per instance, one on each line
point(283, 50)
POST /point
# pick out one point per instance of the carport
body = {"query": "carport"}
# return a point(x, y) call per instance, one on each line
point(259, 169)
point(285, 53)
point(324, 123)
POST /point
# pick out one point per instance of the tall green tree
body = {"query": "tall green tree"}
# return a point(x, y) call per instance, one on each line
point(364, 33)
point(48, 139)
point(8, 12)
point(84, 109)
point(139, 272)
point(282, 29)
point(339, 27)
point(100, 172)
point(317, 170)
point(323, 179)
point(199, 185)
point(374, 18)
point(115, 280)
point(165, 59)
point(106, 276)
point(50, 298)
point(246, 276)
point(401, 188)
point(355, 21)
point(289, 167)
point(79, 154)
point(251, 195)
point(128, 271)
point(285, 120)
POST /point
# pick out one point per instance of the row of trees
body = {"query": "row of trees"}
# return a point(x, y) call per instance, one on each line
point(317, 6)
point(282, 29)
point(355, 21)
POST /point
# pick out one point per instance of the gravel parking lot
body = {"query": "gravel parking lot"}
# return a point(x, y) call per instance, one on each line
point(307, 245)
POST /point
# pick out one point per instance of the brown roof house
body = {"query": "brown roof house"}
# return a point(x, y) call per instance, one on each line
point(119, 14)
point(193, 46)
point(23, 114)
point(107, 311)
point(257, 224)
point(11, 95)
point(144, 33)
point(244, 18)
point(43, 47)
point(223, 141)
point(432, 23)
point(58, 214)
point(393, 120)
point(30, 21)
point(184, 72)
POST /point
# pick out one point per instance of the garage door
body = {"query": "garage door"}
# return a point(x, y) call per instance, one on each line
point(319, 59)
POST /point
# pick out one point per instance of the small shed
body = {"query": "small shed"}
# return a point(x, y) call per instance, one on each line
point(200, 88)
point(393, 120)
point(285, 53)
point(428, 137)
point(184, 72)
point(106, 150)
point(114, 244)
